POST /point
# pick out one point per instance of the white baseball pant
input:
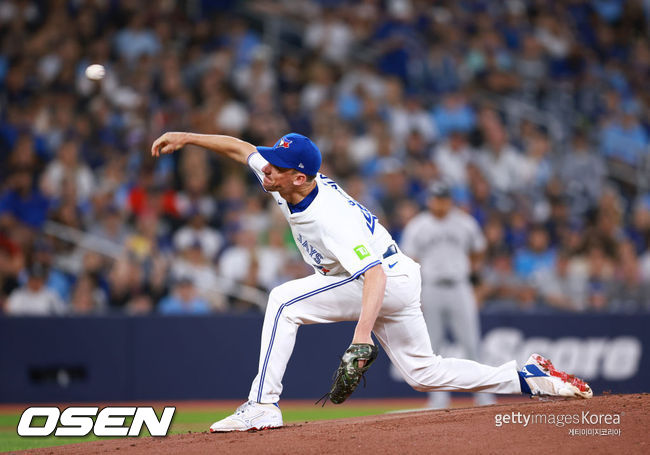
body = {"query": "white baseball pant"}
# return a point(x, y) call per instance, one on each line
point(400, 328)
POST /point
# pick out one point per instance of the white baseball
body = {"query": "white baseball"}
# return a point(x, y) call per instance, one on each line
point(95, 72)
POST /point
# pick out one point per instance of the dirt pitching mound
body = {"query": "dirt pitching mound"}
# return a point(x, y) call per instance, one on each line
point(602, 425)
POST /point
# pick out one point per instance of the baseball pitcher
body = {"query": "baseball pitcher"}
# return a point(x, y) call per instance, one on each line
point(359, 275)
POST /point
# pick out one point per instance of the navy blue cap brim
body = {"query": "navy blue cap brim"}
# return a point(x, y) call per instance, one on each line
point(271, 155)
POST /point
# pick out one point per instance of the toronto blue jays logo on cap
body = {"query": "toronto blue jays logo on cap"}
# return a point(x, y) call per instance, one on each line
point(293, 151)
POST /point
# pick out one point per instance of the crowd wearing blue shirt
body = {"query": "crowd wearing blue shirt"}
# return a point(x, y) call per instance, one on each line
point(536, 113)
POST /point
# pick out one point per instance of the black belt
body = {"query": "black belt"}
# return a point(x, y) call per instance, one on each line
point(390, 251)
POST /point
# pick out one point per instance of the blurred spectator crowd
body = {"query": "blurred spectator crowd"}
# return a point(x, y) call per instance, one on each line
point(535, 111)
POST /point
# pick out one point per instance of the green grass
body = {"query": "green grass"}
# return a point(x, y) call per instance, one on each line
point(185, 420)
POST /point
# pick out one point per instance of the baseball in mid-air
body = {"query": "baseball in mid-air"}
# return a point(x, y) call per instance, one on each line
point(95, 72)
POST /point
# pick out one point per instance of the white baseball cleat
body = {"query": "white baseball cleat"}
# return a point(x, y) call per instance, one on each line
point(250, 416)
point(545, 380)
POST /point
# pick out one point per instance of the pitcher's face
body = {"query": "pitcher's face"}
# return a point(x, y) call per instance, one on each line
point(278, 178)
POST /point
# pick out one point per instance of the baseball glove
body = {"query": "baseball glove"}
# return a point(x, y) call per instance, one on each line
point(349, 374)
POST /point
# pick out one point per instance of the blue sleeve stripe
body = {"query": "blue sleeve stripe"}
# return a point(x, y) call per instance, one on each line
point(365, 269)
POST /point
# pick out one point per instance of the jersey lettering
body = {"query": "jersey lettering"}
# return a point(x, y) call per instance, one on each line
point(311, 251)
point(371, 219)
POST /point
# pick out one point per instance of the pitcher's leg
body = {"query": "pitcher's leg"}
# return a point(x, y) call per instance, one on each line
point(275, 352)
point(314, 299)
point(405, 339)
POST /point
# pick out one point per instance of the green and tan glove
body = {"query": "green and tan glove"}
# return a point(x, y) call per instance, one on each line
point(349, 374)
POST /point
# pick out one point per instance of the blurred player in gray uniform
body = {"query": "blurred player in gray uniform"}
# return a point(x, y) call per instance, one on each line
point(449, 245)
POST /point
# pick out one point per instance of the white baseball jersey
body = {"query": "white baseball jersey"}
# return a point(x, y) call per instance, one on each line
point(441, 246)
point(318, 229)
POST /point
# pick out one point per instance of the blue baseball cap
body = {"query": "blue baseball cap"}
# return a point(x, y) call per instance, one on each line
point(294, 151)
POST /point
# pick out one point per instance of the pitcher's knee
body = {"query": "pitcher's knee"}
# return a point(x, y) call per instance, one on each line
point(421, 388)
point(425, 376)
point(283, 293)
point(274, 296)
point(418, 386)
point(277, 304)
point(414, 383)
